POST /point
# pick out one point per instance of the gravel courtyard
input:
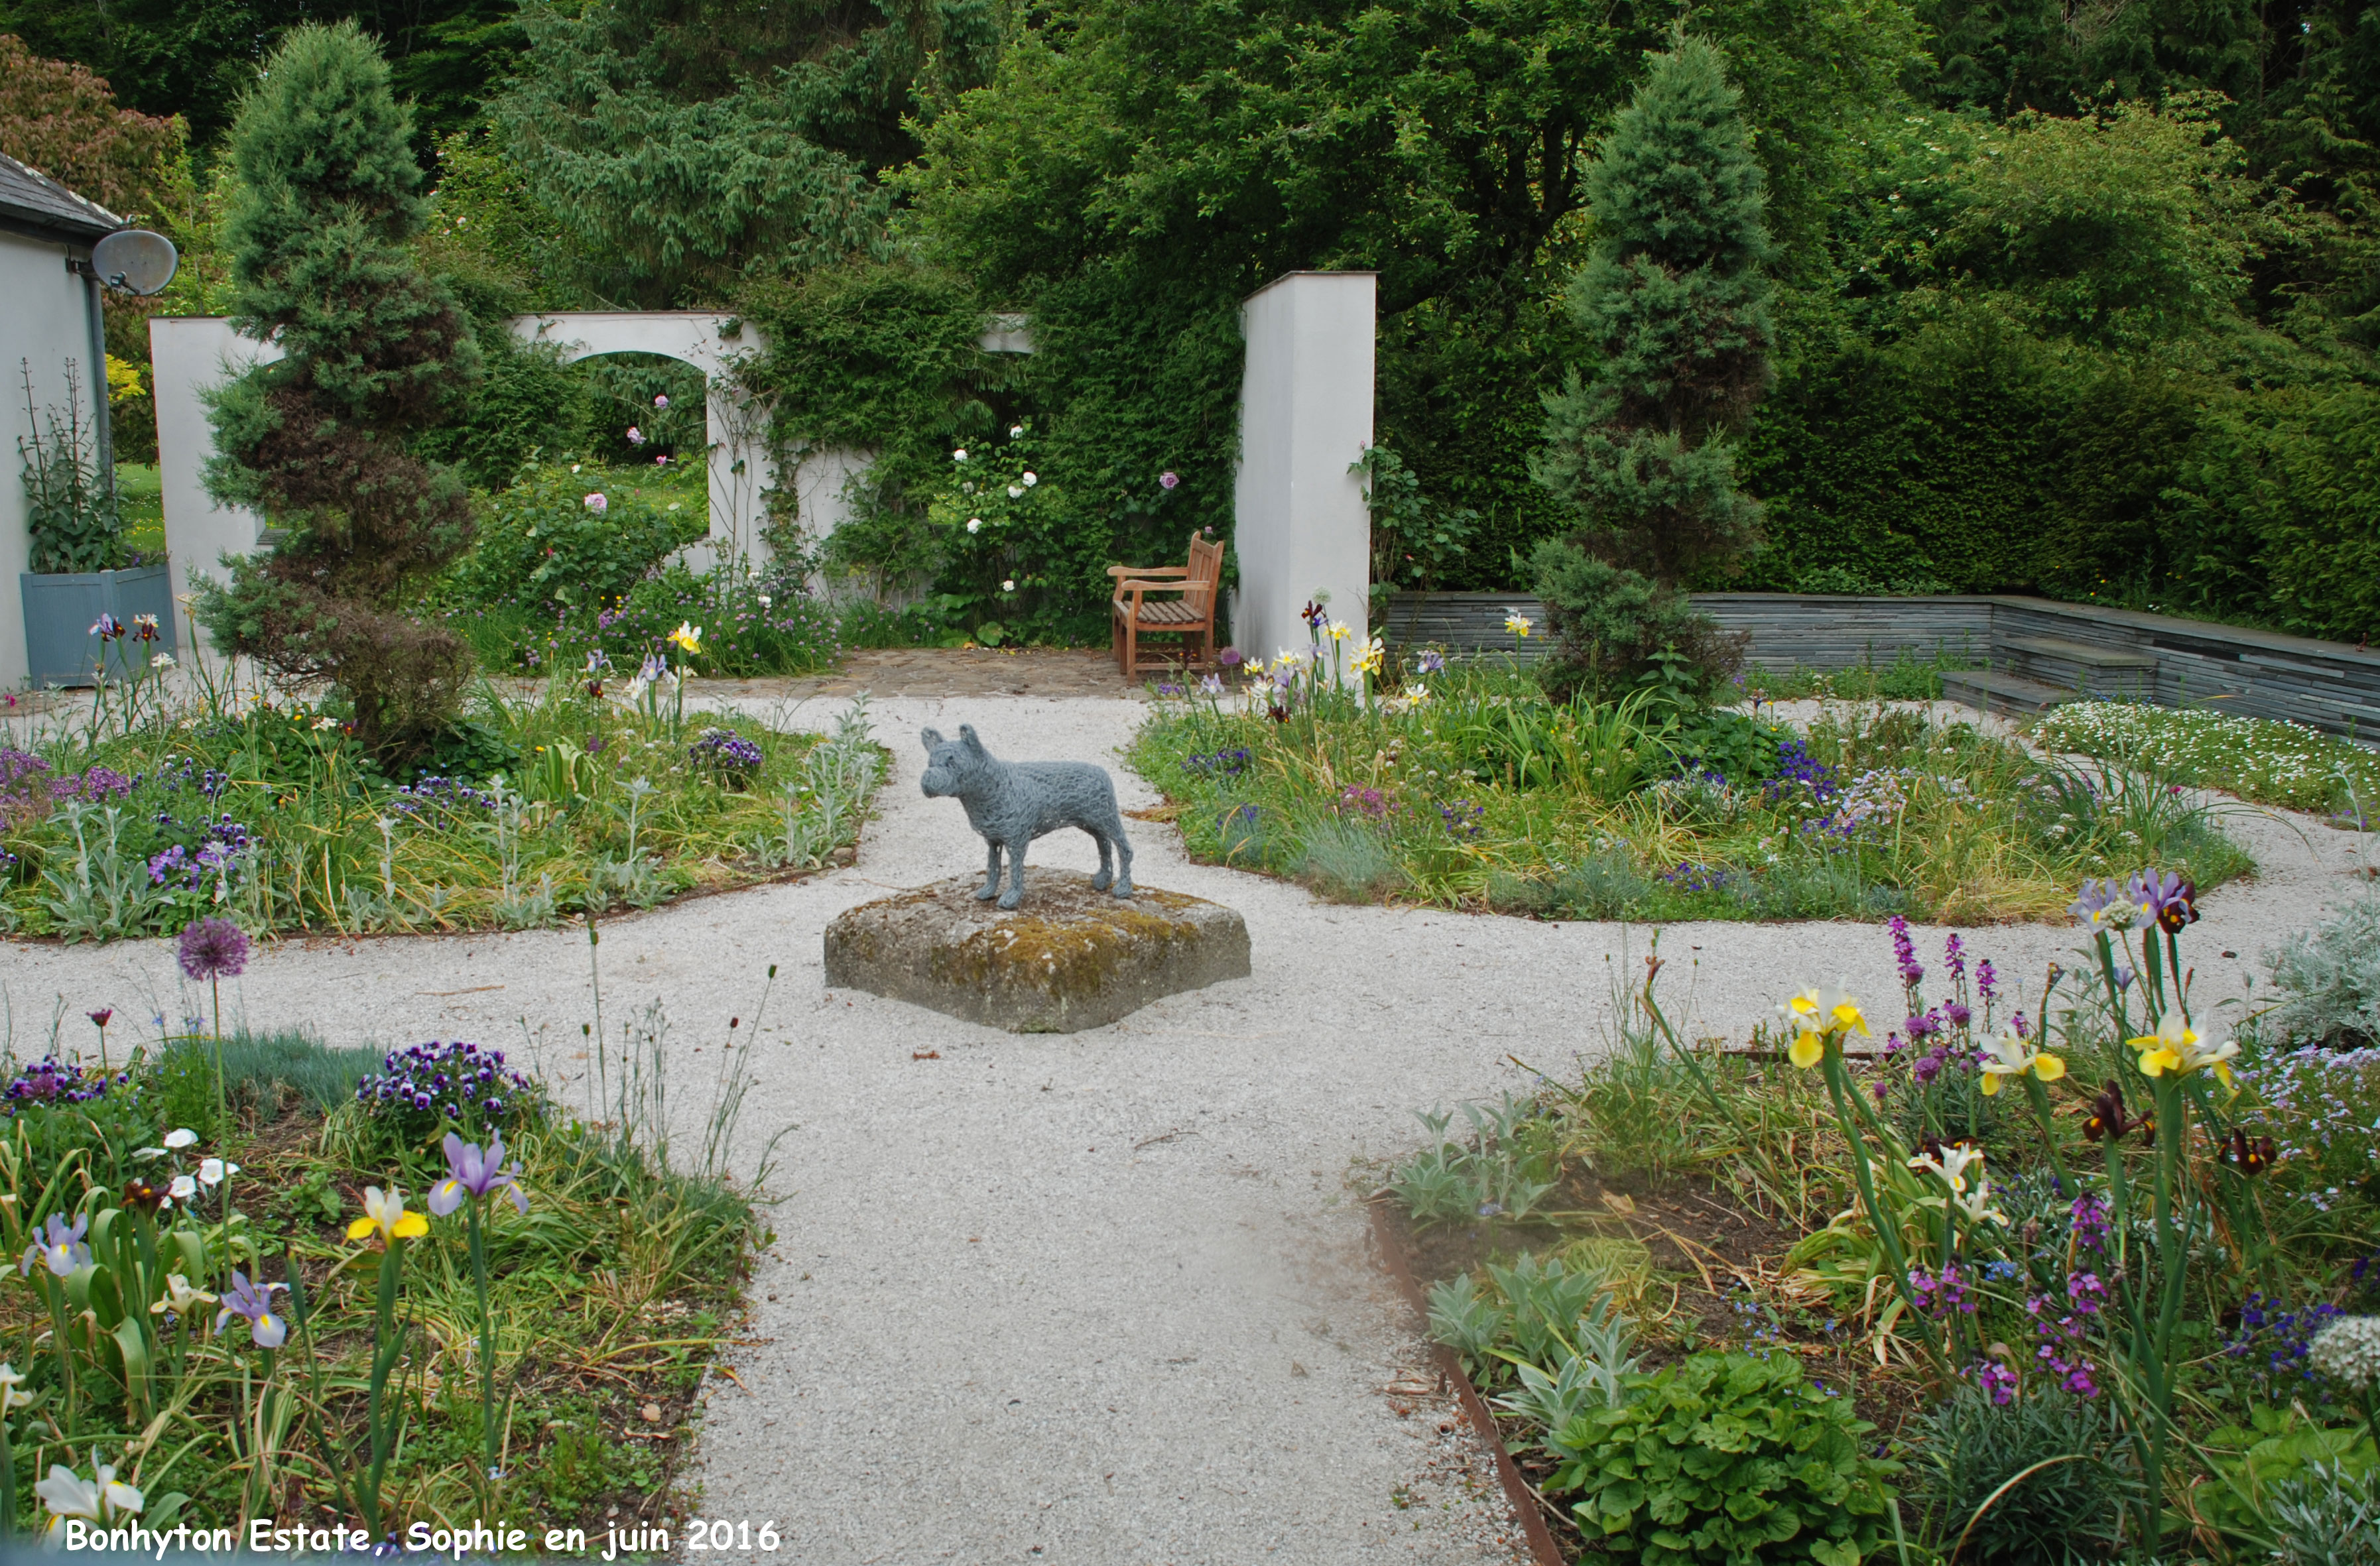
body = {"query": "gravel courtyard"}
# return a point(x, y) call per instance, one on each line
point(1109, 1296)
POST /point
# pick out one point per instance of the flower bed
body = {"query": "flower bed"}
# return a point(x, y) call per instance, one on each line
point(2076, 1250)
point(342, 1288)
point(1469, 788)
point(2258, 758)
point(146, 814)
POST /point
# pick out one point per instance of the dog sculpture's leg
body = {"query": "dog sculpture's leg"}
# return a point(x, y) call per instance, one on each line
point(990, 888)
point(1016, 893)
point(1106, 877)
point(1123, 856)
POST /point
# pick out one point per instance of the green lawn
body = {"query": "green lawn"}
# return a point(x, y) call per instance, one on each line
point(140, 490)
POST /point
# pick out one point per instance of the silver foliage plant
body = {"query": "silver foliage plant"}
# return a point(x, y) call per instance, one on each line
point(2330, 976)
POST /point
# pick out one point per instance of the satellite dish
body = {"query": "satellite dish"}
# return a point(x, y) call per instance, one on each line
point(134, 260)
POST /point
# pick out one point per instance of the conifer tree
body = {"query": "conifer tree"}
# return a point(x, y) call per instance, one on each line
point(1675, 300)
point(373, 352)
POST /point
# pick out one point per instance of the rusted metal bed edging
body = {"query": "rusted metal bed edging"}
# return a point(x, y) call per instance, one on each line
point(1388, 1234)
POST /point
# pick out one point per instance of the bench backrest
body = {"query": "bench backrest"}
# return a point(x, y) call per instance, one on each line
point(1206, 571)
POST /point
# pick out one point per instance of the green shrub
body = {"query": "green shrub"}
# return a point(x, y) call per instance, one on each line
point(1724, 1458)
point(2069, 1509)
point(2329, 1518)
point(2330, 976)
point(1612, 625)
point(2278, 1448)
point(540, 542)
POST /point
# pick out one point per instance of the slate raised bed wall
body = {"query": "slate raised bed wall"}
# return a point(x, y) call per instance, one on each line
point(2328, 686)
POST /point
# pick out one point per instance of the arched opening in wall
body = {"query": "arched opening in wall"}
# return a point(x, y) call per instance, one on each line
point(640, 410)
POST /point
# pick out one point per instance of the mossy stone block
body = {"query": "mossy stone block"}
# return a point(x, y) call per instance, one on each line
point(1070, 958)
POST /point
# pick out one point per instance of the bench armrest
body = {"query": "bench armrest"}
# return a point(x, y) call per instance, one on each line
point(1149, 570)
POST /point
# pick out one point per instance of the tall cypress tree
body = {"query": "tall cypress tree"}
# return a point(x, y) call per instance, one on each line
point(373, 352)
point(1675, 300)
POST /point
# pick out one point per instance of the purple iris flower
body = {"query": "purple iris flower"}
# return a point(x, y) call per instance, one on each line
point(2102, 905)
point(253, 1302)
point(61, 1250)
point(477, 1174)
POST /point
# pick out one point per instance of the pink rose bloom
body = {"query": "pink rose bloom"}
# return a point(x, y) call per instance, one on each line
point(597, 504)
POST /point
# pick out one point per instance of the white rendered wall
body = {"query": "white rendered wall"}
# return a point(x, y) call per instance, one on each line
point(1300, 524)
point(191, 354)
point(43, 322)
point(740, 467)
point(187, 355)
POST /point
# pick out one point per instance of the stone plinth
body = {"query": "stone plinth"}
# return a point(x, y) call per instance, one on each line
point(1070, 958)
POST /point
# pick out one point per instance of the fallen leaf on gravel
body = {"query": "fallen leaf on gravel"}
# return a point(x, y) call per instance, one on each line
point(651, 1413)
point(925, 1054)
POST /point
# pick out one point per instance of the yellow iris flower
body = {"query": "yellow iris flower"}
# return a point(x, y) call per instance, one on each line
point(2177, 1047)
point(385, 1211)
point(2010, 1055)
point(1817, 1013)
point(688, 636)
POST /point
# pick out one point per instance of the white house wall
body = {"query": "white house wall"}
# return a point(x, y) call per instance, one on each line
point(44, 322)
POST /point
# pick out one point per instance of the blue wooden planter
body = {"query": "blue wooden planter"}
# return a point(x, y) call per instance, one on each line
point(61, 609)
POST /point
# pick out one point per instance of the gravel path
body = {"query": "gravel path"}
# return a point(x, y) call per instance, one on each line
point(1102, 1297)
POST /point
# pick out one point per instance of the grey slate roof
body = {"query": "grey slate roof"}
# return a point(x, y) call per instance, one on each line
point(33, 201)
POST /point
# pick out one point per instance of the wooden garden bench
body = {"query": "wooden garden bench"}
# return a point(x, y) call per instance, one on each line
point(1189, 616)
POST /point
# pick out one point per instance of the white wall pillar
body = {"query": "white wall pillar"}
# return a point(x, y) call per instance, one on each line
point(1300, 523)
point(189, 355)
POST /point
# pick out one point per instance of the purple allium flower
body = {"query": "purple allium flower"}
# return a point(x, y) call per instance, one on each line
point(211, 949)
point(1959, 1015)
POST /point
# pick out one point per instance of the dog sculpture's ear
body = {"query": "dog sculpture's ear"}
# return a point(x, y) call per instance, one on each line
point(933, 740)
point(967, 737)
